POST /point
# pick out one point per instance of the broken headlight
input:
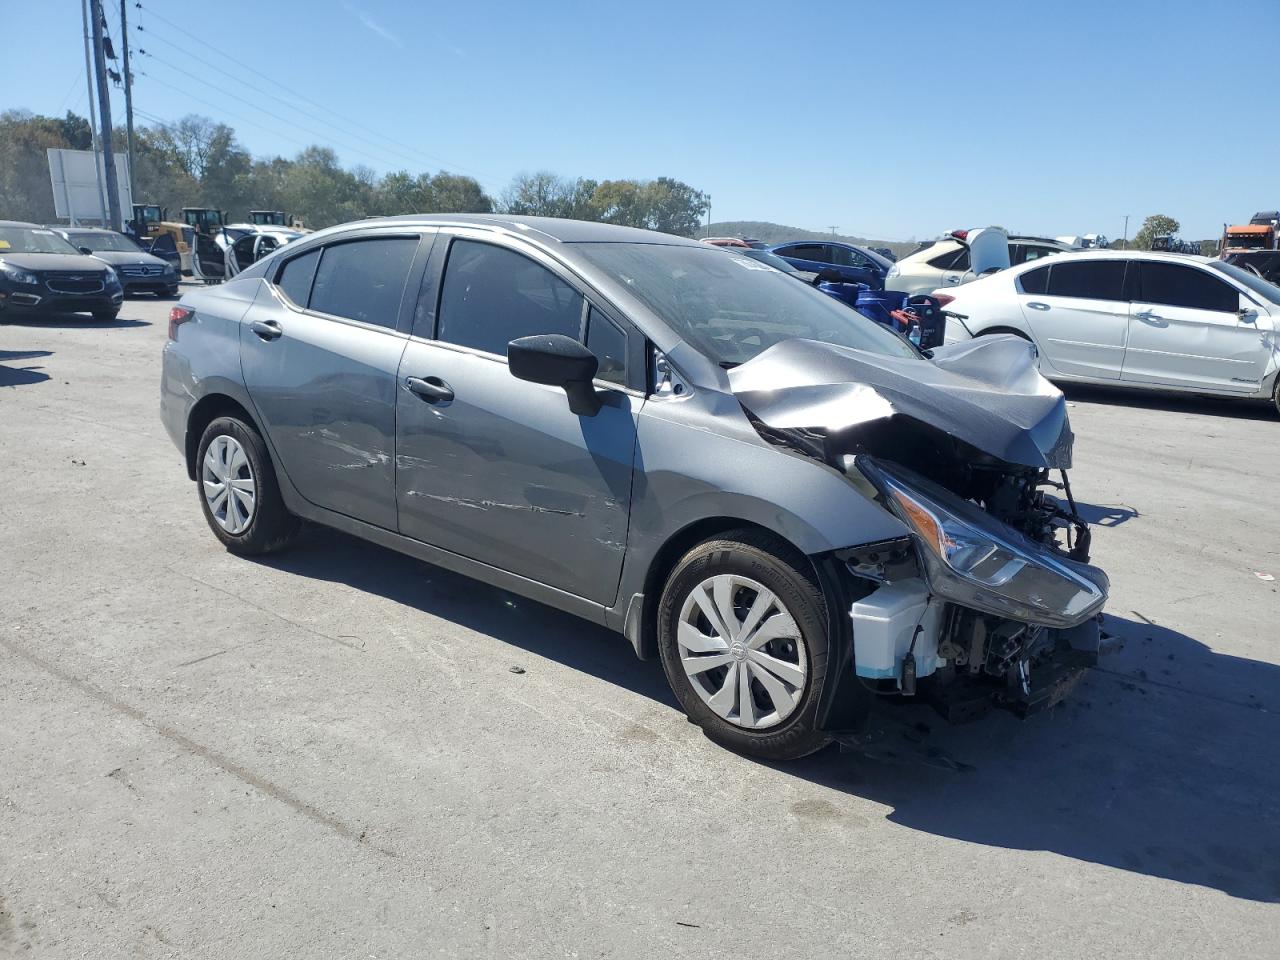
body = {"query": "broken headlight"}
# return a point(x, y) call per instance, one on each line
point(974, 560)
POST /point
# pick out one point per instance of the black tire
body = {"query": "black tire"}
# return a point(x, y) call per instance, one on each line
point(105, 316)
point(271, 525)
point(774, 564)
point(1275, 397)
point(170, 293)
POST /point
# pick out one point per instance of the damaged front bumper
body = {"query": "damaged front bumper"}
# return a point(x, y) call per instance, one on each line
point(975, 611)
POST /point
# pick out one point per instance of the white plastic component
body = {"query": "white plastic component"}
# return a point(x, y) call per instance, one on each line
point(883, 624)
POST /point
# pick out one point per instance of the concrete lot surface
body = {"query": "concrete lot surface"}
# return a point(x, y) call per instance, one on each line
point(327, 754)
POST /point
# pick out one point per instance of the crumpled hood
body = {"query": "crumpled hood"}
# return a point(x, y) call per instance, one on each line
point(53, 261)
point(985, 392)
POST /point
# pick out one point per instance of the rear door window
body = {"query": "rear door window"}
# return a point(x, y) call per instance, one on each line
point(492, 295)
point(364, 279)
point(1174, 285)
point(1087, 279)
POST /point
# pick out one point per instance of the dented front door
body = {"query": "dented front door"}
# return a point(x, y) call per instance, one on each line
point(497, 469)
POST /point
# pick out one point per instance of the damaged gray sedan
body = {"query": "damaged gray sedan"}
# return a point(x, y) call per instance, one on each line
point(793, 508)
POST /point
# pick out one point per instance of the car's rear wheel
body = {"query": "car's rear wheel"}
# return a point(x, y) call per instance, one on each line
point(239, 493)
point(742, 630)
point(1275, 396)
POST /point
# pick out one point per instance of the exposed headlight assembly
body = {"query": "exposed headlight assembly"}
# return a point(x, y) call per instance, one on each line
point(17, 274)
point(113, 279)
point(974, 560)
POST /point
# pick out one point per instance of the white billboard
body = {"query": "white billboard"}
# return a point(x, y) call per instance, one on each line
point(76, 195)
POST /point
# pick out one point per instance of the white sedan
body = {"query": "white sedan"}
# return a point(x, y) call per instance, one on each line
point(1154, 321)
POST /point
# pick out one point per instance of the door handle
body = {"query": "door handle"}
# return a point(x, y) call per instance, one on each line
point(266, 329)
point(1037, 305)
point(1148, 315)
point(430, 389)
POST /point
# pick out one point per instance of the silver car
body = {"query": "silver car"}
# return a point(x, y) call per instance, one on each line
point(791, 506)
point(1147, 321)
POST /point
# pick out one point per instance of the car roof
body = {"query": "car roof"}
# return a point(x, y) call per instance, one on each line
point(551, 228)
point(19, 223)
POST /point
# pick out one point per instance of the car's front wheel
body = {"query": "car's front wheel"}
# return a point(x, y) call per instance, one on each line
point(239, 493)
point(105, 316)
point(742, 630)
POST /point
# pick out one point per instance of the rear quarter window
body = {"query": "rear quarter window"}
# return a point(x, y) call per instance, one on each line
point(951, 260)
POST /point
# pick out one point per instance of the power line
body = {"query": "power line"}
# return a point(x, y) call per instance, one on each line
point(302, 96)
point(256, 89)
point(377, 158)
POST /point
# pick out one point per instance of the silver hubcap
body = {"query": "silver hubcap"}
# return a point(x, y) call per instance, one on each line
point(229, 486)
point(742, 651)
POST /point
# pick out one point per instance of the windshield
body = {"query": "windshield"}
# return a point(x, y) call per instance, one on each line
point(883, 262)
point(31, 240)
point(732, 308)
point(1267, 291)
point(1246, 241)
point(104, 241)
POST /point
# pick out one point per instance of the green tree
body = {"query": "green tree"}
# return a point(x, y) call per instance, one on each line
point(25, 138)
point(1156, 225)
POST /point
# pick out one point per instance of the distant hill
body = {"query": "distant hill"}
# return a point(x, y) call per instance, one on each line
point(777, 233)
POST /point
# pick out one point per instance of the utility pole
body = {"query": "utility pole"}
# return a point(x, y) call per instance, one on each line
point(93, 116)
point(128, 100)
point(708, 214)
point(104, 116)
point(1126, 231)
point(833, 231)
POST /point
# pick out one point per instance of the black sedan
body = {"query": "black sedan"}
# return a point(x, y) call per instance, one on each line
point(42, 274)
point(139, 271)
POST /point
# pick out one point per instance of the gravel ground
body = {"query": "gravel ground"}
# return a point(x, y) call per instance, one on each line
point(327, 754)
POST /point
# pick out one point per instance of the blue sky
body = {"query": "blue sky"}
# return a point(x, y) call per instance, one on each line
point(890, 119)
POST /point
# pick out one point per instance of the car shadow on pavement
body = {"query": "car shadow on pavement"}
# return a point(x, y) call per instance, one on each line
point(326, 554)
point(1162, 762)
point(1173, 402)
point(21, 376)
point(1104, 515)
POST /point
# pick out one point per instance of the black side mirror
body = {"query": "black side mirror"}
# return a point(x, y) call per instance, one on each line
point(86, 251)
point(558, 361)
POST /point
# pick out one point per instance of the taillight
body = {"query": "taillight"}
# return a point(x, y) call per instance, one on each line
point(960, 234)
point(177, 317)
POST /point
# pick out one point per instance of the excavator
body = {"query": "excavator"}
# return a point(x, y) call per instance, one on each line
point(162, 237)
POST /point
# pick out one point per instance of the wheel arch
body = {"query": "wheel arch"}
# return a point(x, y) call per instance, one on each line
point(205, 410)
point(644, 633)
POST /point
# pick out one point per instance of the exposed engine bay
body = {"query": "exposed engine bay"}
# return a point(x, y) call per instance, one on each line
point(990, 599)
